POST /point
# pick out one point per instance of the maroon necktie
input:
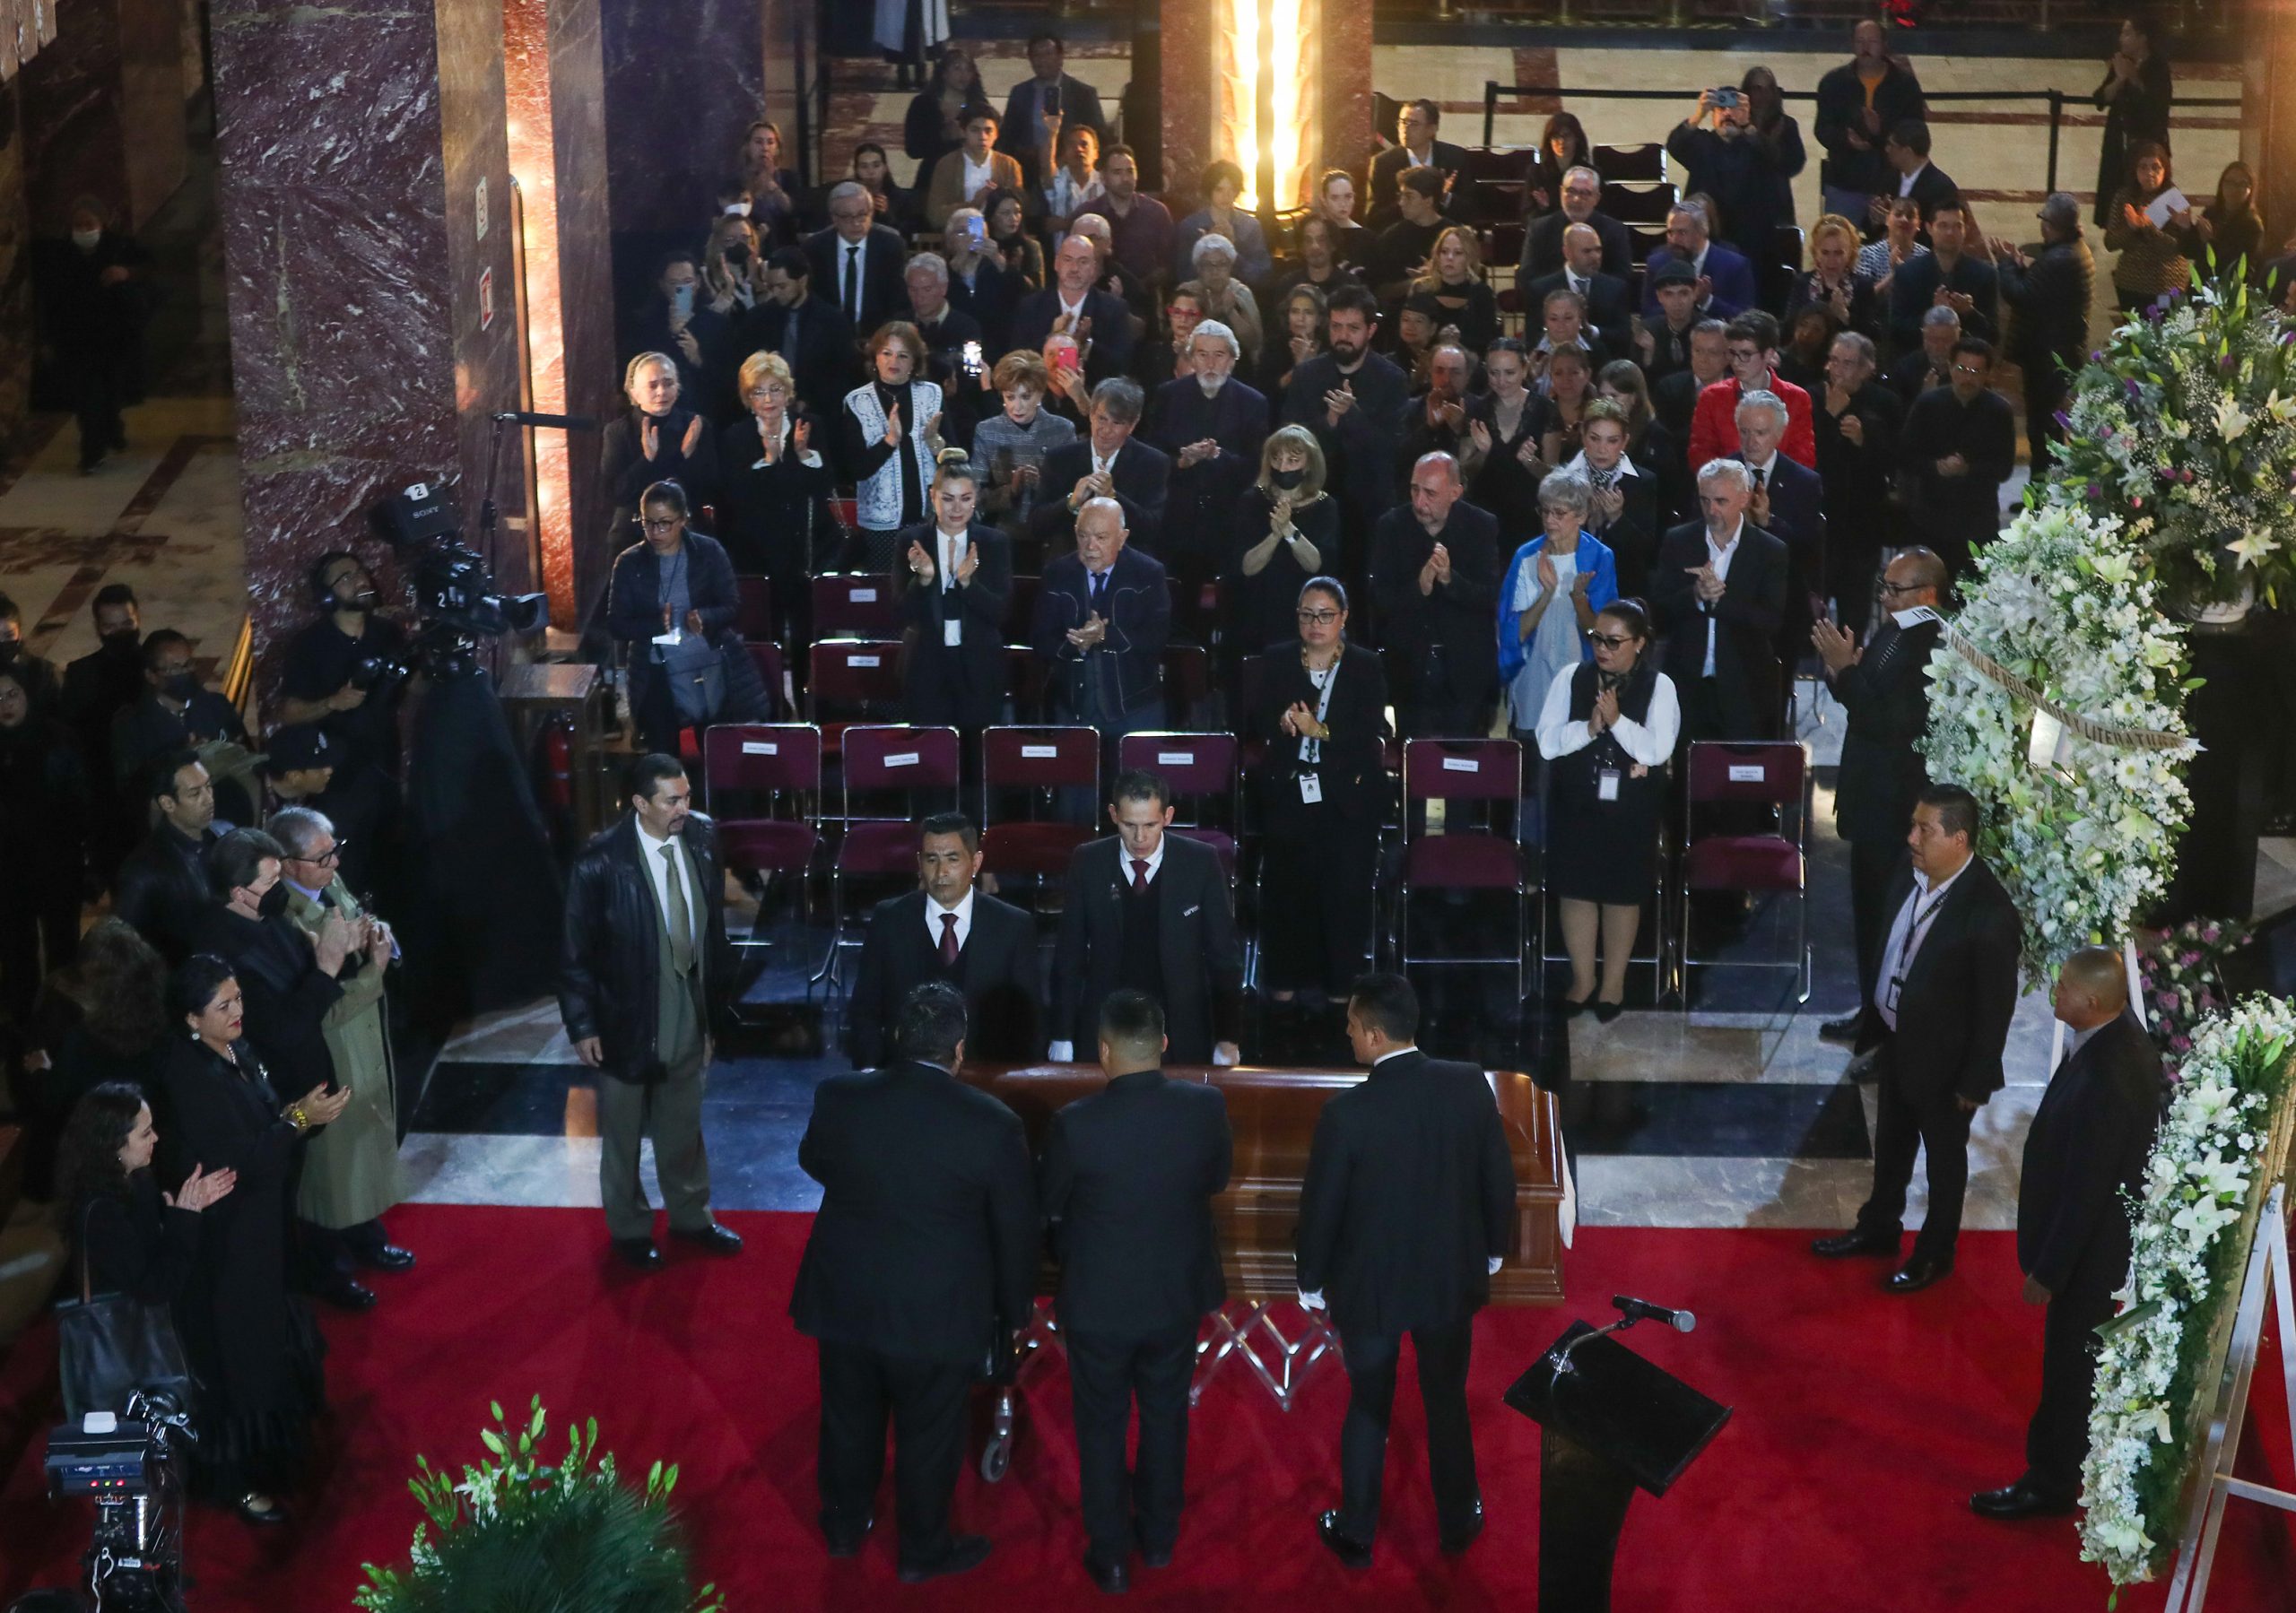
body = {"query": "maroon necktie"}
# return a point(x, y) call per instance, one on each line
point(949, 938)
point(1139, 875)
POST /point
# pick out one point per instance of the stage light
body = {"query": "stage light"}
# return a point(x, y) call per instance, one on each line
point(1279, 71)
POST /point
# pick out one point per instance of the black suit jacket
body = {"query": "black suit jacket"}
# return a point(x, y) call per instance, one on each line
point(1111, 332)
point(1141, 485)
point(1203, 967)
point(1410, 1191)
point(1355, 766)
point(822, 358)
point(1543, 246)
point(926, 1243)
point(1886, 694)
point(1954, 1009)
point(287, 994)
point(1459, 613)
point(1361, 450)
point(1201, 504)
point(1079, 103)
point(1610, 309)
point(884, 293)
point(1857, 475)
point(1914, 287)
point(607, 983)
point(1140, 625)
point(1798, 519)
point(996, 970)
point(1746, 618)
point(963, 684)
point(162, 889)
point(1129, 1172)
point(2088, 1145)
point(1450, 160)
point(1932, 189)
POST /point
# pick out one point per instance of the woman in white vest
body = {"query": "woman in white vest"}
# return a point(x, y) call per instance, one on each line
point(891, 435)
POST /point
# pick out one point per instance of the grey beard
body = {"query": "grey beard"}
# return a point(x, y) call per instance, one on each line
point(1212, 384)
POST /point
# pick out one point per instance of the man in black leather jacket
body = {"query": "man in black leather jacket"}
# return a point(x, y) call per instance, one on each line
point(645, 968)
point(162, 886)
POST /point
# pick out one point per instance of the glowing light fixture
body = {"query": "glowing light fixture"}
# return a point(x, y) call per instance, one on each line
point(1266, 61)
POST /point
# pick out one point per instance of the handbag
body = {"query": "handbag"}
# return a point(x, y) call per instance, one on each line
point(108, 1346)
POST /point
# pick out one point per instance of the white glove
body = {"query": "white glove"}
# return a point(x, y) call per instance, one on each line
point(1312, 1301)
point(1061, 1052)
point(1497, 1260)
point(1223, 1055)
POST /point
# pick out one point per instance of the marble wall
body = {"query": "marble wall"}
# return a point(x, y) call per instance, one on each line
point(352, 139)
point(681, 83)
point(103, 110)
point(15, 272)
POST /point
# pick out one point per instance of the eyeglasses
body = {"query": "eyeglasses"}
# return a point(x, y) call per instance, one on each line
point(1317, 618)
point(1610, 641)
point(1969, 369)
point(1894, 589)
point(668, 524)
point(333, 854)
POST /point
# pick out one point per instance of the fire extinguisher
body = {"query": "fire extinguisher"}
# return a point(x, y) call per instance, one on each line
point(558, 759)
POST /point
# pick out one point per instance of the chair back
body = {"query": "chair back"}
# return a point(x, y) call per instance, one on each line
point(1040, 758)
point(896, 756)
point(766, 656)
point(1638, 203)
point(1763, 773)
point(1647, 160)
point(1187, 679)
point(1199, 764)
point(1463, 769)
point(857, 672)
point(760, 759)
point(754, 613)
point(853, 604)
point(1020, 606)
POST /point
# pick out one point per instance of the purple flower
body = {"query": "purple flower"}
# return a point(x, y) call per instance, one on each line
point(2210, 934)
point(2166, 1001)
point(2095, 492)
point(2182, 1044)
point(2190, 959)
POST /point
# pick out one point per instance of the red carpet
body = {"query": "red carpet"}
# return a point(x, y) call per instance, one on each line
point(1862, 1423)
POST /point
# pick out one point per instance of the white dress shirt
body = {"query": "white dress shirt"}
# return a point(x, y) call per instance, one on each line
point(1074, 311)
point(1108, 465)
point(1905, 181)
point(963, 910)
point(1766, 470)
point(952, 547)
point(1916, 918)
point(1718, 556)
point(661, 871)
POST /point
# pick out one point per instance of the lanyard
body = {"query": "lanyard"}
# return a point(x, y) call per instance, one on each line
point(1914, 931)
point(1312, 751)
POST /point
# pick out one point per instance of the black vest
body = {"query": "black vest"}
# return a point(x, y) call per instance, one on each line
point(1141, 963)
point(1572, 778)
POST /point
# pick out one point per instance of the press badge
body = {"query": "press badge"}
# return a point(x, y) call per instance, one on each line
point(1311, 787)
point(1606, 784)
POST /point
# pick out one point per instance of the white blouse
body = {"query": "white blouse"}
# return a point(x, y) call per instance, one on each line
point(1650, 742)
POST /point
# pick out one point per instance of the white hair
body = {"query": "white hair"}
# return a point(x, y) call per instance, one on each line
point(932, 264)
point(1218, 331)
point(1207, 244)
point(847, 190)
point(1092, 227)
point(1726, 470)
point(298, 828)
point(1763, 398)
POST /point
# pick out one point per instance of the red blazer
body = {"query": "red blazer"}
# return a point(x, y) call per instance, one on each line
point(1714, 423)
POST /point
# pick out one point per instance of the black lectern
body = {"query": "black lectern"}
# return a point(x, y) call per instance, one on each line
point(1612, 1421)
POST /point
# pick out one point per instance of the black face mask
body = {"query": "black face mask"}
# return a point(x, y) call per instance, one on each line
point(273, 901)
point(124, 643)
point(1287, 480)
point(10, 649)
point(181, 686)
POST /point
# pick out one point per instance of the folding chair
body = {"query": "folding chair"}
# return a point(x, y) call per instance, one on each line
point(852, 681)
point(853, 604)
point(756, 610)
point(1200, 770)
point(1644, 162)
point(1187, 681)
point(1042, 762)
point(1465, 858)
point(893, 776)
point(766, 656)
point(1639, 203)
point(1021, 607)
point(1769, 772)
point(775, 765)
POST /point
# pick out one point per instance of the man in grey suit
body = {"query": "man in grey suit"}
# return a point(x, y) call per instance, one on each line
point(645, 967)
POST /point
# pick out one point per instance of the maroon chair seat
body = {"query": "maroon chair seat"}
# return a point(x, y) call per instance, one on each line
point(1030, 850)
point(1463, 863)
point(1219, 841)
point(1743, 863)
point(767, 845)
point(875, 848)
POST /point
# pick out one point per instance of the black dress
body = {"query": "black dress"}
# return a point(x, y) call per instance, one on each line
point(776, 518)
point(250, 1343)
point(136, 1244)
point(1260, 609)
point(1598, 850)
point(1473, 307)
point(1321, 856)
point(1503, 484)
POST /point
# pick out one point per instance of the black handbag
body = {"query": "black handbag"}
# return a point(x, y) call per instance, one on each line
point(108, 1346)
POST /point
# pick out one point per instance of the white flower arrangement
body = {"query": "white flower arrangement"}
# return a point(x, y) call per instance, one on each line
point(2064, 599)
point(2207, 1174)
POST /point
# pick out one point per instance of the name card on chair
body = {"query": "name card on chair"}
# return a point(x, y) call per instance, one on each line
point(760, 748)
point(1038, 752)
point(864, 661)
point(1175, 758)
point(1461, 764)
point(1745, 773)
point(905, 759)
point(863, 596)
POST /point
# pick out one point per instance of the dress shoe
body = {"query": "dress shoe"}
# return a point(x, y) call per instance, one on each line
point(1915, 1275)
point(1865, 1067)
point(716, 1239)
point(848, 1545)
point(1571, 1008)
point(1114, 1578)
point(965, 1551)
point(1855, 1241)
point(265, 1516)
point(2022, 1499)
point(639, 1252)
point(1160, 1558)
point(1844, 1030)
point(344, 1294)
point(387, 1257)
point(1351, 1552)
point(1605, 1012)
point(1455, 1541)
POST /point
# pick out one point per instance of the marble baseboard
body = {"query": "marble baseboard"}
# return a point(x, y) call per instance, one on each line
point(1814, 1194)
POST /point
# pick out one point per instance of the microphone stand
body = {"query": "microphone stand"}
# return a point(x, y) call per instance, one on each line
point(1562, 1357)
point(488, 514)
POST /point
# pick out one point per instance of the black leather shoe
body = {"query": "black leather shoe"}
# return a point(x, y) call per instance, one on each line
point(1114, 1578)
point(1855, 1241)
point(1156, 1559)
point(1605, 1012)
point(1915, 1275)
point(388, 1257)
point(1571, 1008)
point(849, 1545)
point(965, 1551)
point(2020, 1500)
point(1351, 1552)
point(344, 1294)
point(1844, 1030)
point(1455, 1541)
point(716, 1239)
point(639, 1252)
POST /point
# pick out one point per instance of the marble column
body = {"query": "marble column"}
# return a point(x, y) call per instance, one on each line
point(1339, 135)
point(15, 273)
point(2268, 113)
point(103, 110)
point(373, 327)
point(681, 83)
point(555, 81)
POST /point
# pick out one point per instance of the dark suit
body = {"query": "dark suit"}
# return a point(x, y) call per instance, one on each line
point(1957, 515)
point(1117, 685)
point(1195, 969)
point(1798, 519)
point(1410, 1193)
point(1441, 644)
point(2049, 337)
point(996, 970)
point(821, 354)
point(1543, 245)
point(1110, 335)
point(923, 1255)
point(1886, 694)
point(1933, 188)
point(1857, 477)
point(1448, 159)
point(1079, 103)
point(1140, 482)
point(1129, 1173)
point(1610, 310)
point(1359, 451)
point(1741, 700)
point(1953, 1009)
point(884, 294)
point(963, 684)
point(2088, 1146)
point(1914, 287)
point(287, 994)
point(1733, 278)
point(1201, 505)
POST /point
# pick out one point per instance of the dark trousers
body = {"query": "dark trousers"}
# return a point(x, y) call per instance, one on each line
point(1319, 873)
point(1906, 1124)
point(1874, 862)
point(27, 918)
point(2057, 1438)
point(1448, 698)
point(1371, 1362)
point(1851, 563)
point(2045, 393)
point(927, 1401)
point(1106, 1375)
point(101, 391)
point(324, 1254)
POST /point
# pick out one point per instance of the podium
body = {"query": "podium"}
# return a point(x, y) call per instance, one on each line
point(1613, 1423)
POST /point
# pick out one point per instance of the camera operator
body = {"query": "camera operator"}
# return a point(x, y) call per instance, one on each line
point(338, 671)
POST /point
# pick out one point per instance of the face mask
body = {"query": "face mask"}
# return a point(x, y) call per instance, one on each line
point(125, 642)
point(273, 901)
point(182, 686)
point(86, 239)
point(1287, 480)
point(10, 649)
point(740, 210)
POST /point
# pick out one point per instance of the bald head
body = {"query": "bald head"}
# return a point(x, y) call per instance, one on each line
point(2091, 988)
point(1916, 578)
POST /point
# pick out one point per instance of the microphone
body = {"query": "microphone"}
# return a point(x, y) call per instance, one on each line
point(1642, 1310)
point(563, 422)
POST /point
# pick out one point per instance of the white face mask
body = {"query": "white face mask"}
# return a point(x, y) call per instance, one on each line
point(86, 239)
point(740, 210)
